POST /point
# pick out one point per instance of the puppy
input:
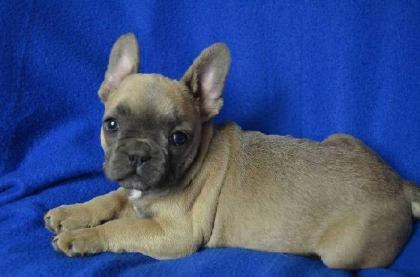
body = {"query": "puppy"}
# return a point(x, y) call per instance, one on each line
point(186, 184)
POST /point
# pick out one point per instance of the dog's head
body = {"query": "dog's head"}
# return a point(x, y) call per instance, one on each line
point(152, 125)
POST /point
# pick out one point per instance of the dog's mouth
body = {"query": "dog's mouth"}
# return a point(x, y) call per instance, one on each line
point(133, 181)
point(146, 177)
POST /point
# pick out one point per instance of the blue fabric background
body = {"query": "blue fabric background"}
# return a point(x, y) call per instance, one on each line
point(304, 68)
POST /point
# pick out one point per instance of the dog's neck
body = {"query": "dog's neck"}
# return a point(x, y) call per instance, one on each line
point(206, 137)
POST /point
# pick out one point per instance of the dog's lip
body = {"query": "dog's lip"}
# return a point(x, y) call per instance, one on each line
point(123, 183)
point(125, 176)
point(142, 189)
point(120, 179)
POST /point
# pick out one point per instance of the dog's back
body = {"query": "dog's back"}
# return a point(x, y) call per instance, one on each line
point(336, 199)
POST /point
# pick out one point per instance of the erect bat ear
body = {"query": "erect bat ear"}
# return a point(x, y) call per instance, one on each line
point(205, 79)
point(123, 61)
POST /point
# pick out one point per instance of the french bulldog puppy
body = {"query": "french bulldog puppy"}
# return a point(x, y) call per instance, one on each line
point(186, 184)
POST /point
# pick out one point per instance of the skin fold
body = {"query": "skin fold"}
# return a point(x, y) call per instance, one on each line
point(186, 184)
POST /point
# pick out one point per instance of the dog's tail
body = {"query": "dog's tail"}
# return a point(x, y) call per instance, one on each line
point(412, 191)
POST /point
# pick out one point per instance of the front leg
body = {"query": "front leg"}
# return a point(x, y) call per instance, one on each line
point(160, 240)
point(92, 213)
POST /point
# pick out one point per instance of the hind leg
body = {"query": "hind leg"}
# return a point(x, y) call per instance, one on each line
point(373, 241)
point(343, 140)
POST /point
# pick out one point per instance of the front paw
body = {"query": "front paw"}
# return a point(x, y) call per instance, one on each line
point(79, 242)
point(69, 217)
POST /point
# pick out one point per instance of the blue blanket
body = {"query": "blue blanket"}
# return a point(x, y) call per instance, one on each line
point(304, 68)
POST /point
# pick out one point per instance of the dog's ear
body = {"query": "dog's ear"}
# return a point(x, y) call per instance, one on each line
point(123, 61)
point(206, 77)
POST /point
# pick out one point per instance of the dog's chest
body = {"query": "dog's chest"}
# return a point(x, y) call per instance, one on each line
point(134, 195)
point(139, 206)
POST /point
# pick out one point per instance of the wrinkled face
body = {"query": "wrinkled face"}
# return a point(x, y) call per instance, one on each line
point(152, 125)
point(150, 133)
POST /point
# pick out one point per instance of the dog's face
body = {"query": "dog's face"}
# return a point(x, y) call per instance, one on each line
point(151, 129)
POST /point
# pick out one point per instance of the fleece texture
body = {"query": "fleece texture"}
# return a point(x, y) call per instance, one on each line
point(301, 68)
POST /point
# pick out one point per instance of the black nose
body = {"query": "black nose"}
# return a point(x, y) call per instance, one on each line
point(137, 160)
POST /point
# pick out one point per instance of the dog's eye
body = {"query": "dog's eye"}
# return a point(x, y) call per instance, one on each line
point(111, 125)
point(178, 138)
